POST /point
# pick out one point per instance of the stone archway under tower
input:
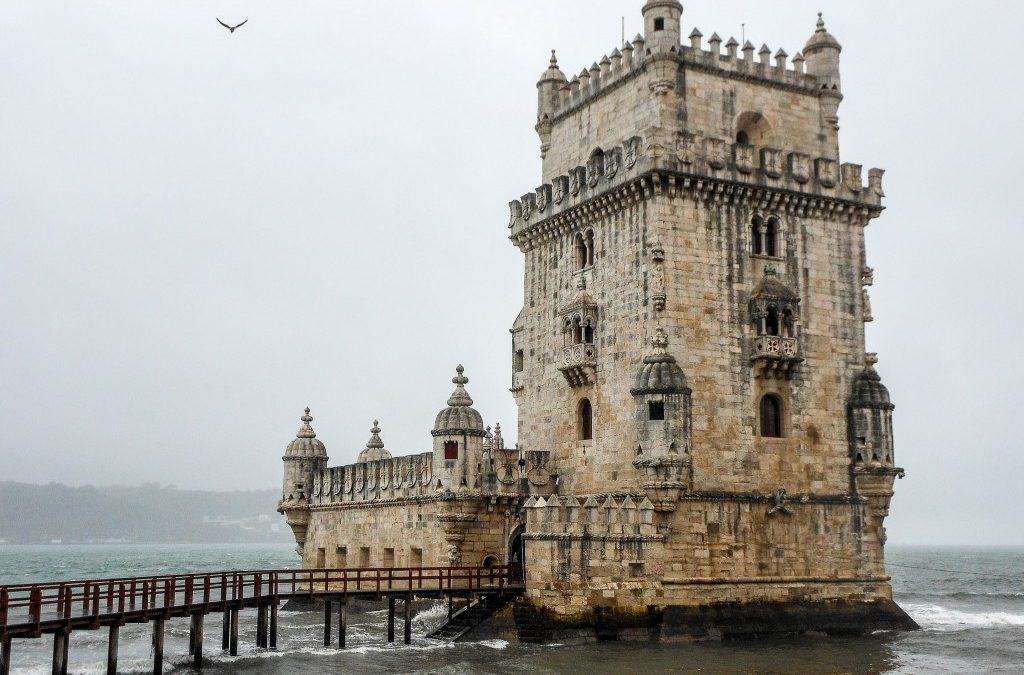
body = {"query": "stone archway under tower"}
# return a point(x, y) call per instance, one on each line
point(517, 550)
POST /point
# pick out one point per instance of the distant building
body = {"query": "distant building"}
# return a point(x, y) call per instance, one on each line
point(703, 441)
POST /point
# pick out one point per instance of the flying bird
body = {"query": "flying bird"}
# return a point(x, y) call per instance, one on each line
point(232, 28)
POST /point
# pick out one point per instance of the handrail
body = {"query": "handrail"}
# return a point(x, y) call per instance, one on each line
point(31, 604)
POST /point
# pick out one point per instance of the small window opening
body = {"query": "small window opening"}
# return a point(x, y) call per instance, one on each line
point(415, 557)
point(490, 561)
point(659, 24)
point(756, 238)
point(771, 416)
point(771, 322)
point(517, 361)
point(789, 323)
point(743, 138)
point(577, 331)
point(389, 557)
point(581, 252)
point(364, 556)
point(586, 420)
point(588, 333)
point(770, 234)
point(655, 410)
point(451, 449)
point(590, 248)
point(321, 558)
point(341, 557)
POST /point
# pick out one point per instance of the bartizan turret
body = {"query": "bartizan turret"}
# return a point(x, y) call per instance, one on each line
point(304, 458)
point(822, 61)
point(662, 26)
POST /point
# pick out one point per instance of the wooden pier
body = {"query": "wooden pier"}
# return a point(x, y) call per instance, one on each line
point(57, 609)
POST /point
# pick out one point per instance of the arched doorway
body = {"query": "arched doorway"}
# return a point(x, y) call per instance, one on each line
point(517, 553)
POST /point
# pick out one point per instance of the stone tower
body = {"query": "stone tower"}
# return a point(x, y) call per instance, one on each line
point(692, 335)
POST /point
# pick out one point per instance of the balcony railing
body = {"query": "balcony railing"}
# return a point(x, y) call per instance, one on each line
point(577, 362)
point(775, 346)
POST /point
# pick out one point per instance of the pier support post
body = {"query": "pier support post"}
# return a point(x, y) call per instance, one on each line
point(408, 619)
point(158, 646)
point(5, 655)
point(342, 620)
point(327, 623)
point(261, 625)
point(60, 653)
point(225, 629)
point(391, 619)
point(233, 647)
point(115, 633)
point(197, 639)
point(273, 626)
point(451, 606)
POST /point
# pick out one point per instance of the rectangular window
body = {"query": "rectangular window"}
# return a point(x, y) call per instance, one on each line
point(517, 361)
point(451, 449)
point(415, 557)
point(341, 557)
point(364, 556)
point(389, 557)
point(655, 410)
point(321, 558)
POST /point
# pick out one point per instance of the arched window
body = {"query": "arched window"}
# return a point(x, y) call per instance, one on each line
point(771, 236)
point(743, 138)
point(581, 251)
point(789, 323)
point(771, 416)
point(577, 331)
point(771, 322)
point(756, 240)
point(590, 248)
point(586, 420)
point(588, 332)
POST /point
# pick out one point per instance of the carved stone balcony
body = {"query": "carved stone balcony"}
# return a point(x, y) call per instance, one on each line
point(578, 363)
point(775, 356)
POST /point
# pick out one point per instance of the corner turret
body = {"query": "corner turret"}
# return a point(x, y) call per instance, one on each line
point(662, 19)
point(458, 439)
point(304, 457)
point(822, 61)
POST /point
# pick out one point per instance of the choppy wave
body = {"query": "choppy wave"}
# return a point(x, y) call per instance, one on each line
point(941, 618)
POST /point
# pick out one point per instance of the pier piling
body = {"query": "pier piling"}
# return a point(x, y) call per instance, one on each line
point(196, 630)
point(115, 633)
point(261, 625)
point(273, 626)
point(342, 620)
point(5, 655)
point(391, 619)
point(408, 619)
point(225, 629)
point(233, 646)
point(60, 653)
point(158, 646)
point(327, 623)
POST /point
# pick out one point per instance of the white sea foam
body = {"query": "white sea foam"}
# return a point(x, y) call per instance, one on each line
point(492, 644)
point(941, 618)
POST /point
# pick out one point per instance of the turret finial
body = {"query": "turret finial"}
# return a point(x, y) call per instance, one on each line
point(375, 441)
point(306, 431)
point(821, 24)
point(460, 397)
point(554, 60)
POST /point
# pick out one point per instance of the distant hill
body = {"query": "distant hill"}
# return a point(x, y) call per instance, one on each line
point(39, 514)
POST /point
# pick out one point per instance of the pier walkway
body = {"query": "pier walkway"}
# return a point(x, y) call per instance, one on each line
point(57, 609)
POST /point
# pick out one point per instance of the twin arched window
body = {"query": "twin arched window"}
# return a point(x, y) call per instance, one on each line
point(764, 236)
point(584, 245)
point(771, 416)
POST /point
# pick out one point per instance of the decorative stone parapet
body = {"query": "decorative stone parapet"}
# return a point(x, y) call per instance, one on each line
point(384, 479)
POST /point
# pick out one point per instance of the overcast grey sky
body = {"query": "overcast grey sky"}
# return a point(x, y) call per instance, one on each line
point(201, 233)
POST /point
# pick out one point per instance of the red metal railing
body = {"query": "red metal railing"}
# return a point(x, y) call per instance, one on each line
point(32, 605)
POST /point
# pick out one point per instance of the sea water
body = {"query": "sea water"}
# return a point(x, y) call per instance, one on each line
point(968, 601)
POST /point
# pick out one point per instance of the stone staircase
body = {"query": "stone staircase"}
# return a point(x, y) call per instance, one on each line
point(529, 624)
point(466, 619)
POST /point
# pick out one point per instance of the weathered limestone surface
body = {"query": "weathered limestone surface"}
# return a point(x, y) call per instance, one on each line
point(704, 444)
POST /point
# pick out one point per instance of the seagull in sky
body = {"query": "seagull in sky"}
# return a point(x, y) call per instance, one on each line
point(232, 28)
